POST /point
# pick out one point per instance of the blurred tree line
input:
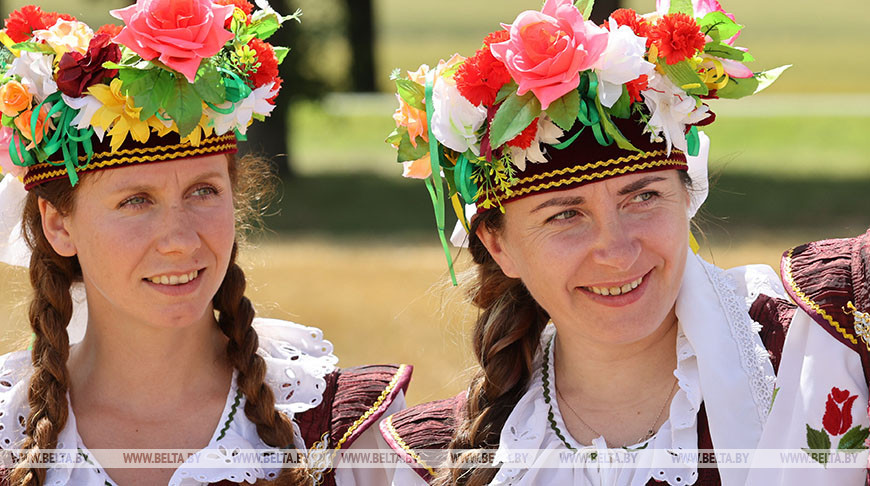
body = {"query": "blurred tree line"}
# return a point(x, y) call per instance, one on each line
point(352, 24)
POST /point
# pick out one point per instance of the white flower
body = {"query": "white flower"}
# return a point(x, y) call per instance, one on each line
point(455, 121)
point(672, 109)
point(87, 106)
point(37, 73)
point(240, 118)
point(622, 61)
point(547, 133)
point(66, 35)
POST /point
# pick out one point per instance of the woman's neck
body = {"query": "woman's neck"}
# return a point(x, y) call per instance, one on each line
point(615, 374)
point(138, 363)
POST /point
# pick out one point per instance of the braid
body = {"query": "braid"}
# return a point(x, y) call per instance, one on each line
point(236, 315)
point(505, 340)
point(51, 276)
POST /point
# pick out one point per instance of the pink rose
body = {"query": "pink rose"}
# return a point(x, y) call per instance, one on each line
point(547, 50)
point(181, 33)
point(6, 165)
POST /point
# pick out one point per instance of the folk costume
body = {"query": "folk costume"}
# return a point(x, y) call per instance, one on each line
point(553, 102)
point(179, 80)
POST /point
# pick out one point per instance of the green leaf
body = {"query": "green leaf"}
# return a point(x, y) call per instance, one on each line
point(741, 87)
point(280, 53)
point(622, 107)
point(514, 116)
point(396, 136)
point(34, 47)
point(156, 97)
point(820, 457)
point(137, 81)
point(726, 27)
point(854, 439)
point(209, 85)
point(682, 6)
point(818, 439)
point(725, 51)
point(407, 151)
point(506, 90)
point(585, 7)
point(8, 121)
point(563, 111)
point(263, 24)
point(610, 129)
point(683, 75)
point(185, 107)
point(412, 93)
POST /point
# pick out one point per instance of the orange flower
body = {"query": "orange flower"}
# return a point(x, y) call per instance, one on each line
point(14, 98)
point(412, 118)
point(22, 122)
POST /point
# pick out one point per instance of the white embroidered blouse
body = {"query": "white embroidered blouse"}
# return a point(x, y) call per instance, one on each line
point(297, 360)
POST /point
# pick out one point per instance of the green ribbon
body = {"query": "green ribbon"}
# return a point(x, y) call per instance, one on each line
point(588, 114)
point(236, 90)
point(462, 175)
point(693, 141)
point(435, 184)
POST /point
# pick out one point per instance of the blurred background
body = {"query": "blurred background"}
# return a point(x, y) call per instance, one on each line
point(350, 246)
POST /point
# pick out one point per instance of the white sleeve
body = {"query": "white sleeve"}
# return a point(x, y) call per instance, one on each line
point(372, 442)
point(820, 386)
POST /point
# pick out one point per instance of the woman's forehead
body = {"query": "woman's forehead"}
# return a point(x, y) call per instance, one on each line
point(160, 174)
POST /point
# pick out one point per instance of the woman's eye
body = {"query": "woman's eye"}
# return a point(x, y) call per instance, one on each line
point(205, 191)
point(645, 196)
point(135, 201)
point(564, 215)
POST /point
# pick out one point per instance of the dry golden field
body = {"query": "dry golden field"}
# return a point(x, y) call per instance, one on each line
point(377, 303)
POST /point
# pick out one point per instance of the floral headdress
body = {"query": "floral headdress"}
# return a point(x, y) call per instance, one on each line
point(180, 79)
point(554, 101)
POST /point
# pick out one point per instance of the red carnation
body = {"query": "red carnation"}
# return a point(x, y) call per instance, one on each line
point(677, 37)
point(635, 86)
point(243, 5)
point(268, 69)
point(481, 76)
point(627, 16)
point(76, 71)
point(109, 29)
point(526, 137)
point(277, 89)
point(21, 23)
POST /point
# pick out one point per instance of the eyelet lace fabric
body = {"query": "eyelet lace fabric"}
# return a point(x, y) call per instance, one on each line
point(297, 359)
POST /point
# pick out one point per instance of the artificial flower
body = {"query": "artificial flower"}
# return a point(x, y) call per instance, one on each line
point(179, 34)
point(34, 133)
point(76, 72)
point(14, 98)
point(65, 36)
point(418, 169)
point(243, 111)
point(545, 132)
point(119, 115)
point(481, 76)
point(202, 130)
point(21, 23)
point(628, 17)
point(37, 73)
point(87, 106)
point(412, 118)
point(677, 37)
point(547, 50)
point(455, 120)
point(622, 61)
point(700, 9)
point(635, 86)
point(671, 111)
point(111, 29)
point(267, 69)
point(6, 165)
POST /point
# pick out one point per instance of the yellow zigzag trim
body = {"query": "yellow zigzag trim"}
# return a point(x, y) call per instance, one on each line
point(135, 159)
point(145, 150)
point(812, 305)
point(395, 434)
point(383, 396)
point(589, 177)
point(592, 165)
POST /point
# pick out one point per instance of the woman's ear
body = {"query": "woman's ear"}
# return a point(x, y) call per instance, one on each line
point(54, 226)
point(494, 243)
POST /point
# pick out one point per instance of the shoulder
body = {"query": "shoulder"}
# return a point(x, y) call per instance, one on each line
point(829, 280)
point(425, 426)
point(15, 371)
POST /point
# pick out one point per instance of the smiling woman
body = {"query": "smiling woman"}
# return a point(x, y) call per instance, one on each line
point(134, 203)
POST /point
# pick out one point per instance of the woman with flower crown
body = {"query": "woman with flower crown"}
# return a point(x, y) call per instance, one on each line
point(142, 335)
point(609, 350)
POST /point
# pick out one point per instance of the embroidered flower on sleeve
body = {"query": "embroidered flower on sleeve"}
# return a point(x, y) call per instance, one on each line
point(836, 421)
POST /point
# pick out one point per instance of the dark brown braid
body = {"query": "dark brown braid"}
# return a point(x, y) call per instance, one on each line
point(505, 340)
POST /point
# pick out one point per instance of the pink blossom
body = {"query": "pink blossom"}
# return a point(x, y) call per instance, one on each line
point(5, 161)
point(179, 33)
point(547, 50)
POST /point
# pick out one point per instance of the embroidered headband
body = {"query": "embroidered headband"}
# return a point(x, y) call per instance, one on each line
point(179, 79)
point(553, 101)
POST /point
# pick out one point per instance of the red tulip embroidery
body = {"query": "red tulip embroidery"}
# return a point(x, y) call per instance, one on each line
point(836, 421)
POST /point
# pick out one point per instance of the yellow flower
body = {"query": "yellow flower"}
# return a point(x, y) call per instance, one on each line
point(247, 56)
point(66, 35)
point(203, 130)
point(118, 113)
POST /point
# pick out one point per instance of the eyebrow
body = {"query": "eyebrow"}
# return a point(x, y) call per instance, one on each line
point(640, 184)
point(136, 188)
point(577, 200)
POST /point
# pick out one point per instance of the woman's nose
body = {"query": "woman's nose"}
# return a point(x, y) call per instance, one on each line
point(180, 234)
point(616, 245)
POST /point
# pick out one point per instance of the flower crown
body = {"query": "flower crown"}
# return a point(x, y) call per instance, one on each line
point(196, 72)
point(534, 87)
